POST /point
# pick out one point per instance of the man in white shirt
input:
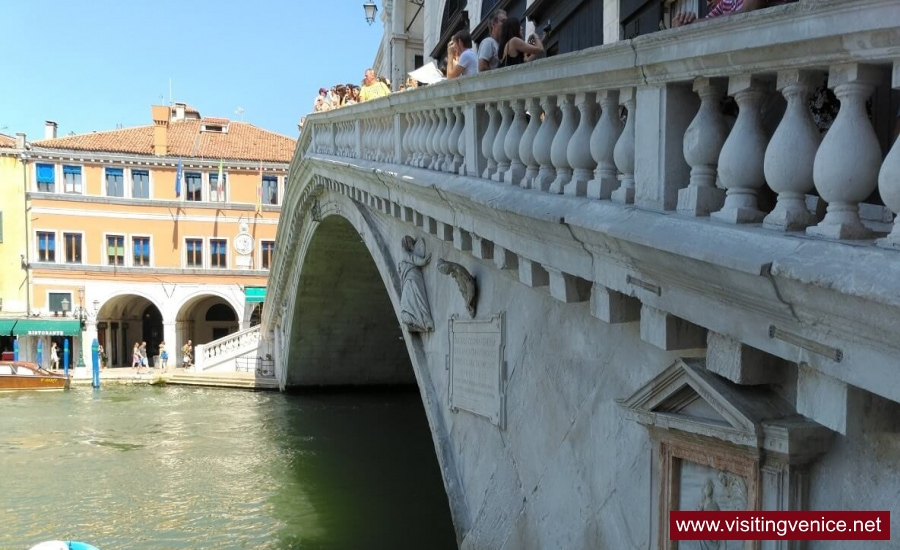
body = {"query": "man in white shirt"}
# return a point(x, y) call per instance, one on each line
point(489, 49)
point(461, 60)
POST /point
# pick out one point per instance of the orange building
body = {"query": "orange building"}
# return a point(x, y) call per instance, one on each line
point(158, 233)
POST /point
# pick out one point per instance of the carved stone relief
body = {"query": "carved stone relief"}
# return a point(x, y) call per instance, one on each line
point(464, 280)
point(415, 313)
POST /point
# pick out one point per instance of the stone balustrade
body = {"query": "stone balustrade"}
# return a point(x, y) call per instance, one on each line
point(640, 122)
point(212, 355)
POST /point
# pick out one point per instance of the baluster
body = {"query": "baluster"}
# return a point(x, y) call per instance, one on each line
point(387, 145)
point(623, 154)
point(703, 142)
point(443, 140)
point(461, 144)
point(422, 139)
point(791, 153)
point(579, 151)
point(427, 135)
point(456, 160)
point(511, 143)
point(543, 142)
point(500, 142)
point(414, 141)
point(846, 167)
point(742, 157)
point(526, 147)
point(439, 127)
point(603, 143)
point(889, 178)
point(404, 141)
point(559, 149)
point(487, 142)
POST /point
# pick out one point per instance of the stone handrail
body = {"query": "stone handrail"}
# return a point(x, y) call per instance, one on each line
point(556, 125)
point(227, 348)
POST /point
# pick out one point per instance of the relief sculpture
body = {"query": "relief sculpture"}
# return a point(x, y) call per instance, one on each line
point(415, 313)
point(464, 280)
point(709, 490)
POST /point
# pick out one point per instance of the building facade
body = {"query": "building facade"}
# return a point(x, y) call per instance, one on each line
point(158, 233)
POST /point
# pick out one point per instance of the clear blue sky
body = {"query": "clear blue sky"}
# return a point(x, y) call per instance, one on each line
point(92, 65)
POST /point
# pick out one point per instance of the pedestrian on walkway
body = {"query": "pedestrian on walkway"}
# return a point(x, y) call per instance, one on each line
point(136, 356)
point(163, 356)
point(54, 357)
point(187, 352)
point(143, 351)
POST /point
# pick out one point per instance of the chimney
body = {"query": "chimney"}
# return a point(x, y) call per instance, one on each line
point(50, 130)
point(160, 130)
point(20, 140)
point(179, 111)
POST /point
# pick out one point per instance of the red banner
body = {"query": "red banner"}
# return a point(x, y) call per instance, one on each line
point(771, 525)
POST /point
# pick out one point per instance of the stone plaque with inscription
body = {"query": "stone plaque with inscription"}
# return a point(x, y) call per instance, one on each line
point(477, 373)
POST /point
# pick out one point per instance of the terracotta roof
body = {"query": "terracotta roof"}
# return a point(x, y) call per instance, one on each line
point(242, 141)
point(213, 120)
point(6, 141)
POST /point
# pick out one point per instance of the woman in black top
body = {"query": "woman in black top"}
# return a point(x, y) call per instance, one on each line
point(514, 50)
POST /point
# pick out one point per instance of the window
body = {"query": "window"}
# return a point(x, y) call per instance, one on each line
point(46, 246)
point(55, 301)
point(141, 251)
point(266, 250)
point(270, 190)
point(193, 183)
point(46, 178)
point(115, 182)
point(73, 247)
point(218, 253)
point(217, 193)
point(194, 252)
point(140, 184)
point(115, 249)
point(72, 179)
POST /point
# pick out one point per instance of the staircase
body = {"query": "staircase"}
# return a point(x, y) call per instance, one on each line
point(243, 380)
point(237, 352)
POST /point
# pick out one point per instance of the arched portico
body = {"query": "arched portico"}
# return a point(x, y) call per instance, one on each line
point(127, 318)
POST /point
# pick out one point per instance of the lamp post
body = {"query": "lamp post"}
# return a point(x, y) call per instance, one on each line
point(82, 316)
point(371, 11)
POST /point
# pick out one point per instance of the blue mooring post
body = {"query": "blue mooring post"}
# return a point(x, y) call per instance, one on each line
point(40, 353)
point(95, 363)
point(16, 349)
point(66, 357)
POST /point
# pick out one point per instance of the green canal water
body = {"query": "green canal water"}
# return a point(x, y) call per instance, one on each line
point(146, 468)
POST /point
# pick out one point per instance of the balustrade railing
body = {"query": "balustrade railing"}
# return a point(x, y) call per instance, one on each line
point(641, 121)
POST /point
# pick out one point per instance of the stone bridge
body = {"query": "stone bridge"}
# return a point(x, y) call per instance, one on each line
point(675, 307)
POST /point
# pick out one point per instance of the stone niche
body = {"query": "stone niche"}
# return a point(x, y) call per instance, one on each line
point(721, 446)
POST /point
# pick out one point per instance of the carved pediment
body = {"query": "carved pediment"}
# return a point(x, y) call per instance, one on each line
point(688, 398)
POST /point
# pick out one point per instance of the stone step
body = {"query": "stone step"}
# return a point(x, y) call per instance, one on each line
point(224, 380)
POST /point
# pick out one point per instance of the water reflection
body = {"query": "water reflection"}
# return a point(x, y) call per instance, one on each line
point(196, 468)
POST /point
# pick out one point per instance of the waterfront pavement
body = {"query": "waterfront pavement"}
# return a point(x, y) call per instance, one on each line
point(176, 376)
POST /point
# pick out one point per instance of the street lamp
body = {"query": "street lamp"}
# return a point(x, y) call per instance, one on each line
point(82, 317)
point(371, 10)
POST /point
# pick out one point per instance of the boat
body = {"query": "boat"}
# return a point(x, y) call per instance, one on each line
point(63, 545)
point(23, 376)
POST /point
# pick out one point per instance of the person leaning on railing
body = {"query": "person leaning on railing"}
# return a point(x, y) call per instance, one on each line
point(514, 50)
point(461, 59)
point(718, 8)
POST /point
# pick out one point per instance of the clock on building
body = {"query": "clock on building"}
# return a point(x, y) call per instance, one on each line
point(243, 243)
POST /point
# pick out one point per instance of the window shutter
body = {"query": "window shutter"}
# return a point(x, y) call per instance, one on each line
point(45, 173)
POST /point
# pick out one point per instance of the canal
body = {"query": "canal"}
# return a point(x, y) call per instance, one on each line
point(178, 467)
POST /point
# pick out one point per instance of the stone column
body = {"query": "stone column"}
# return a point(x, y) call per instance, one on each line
point(889, 178)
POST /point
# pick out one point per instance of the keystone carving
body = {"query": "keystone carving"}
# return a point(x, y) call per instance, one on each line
point(464, 280)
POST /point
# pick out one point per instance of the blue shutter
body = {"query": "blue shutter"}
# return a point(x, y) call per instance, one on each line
point(45, 173)
point(72, 170)
point(114, 172)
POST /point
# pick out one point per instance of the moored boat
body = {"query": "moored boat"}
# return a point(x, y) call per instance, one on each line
point(64, 545)
point(23, 376)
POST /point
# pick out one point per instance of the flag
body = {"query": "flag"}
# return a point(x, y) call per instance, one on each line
point(259, 190)
point(179, 175)
point(219, 194)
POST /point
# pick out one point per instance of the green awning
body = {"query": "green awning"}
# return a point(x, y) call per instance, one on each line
point(6, 326)
point(254, 294)
point(47, 327)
